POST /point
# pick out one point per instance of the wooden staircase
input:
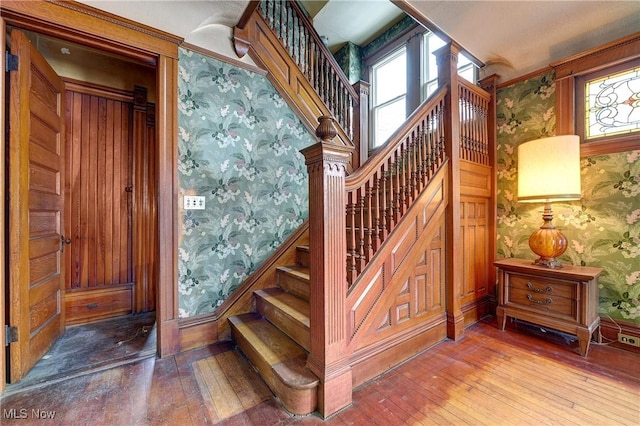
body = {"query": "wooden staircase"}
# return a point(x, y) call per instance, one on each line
point(397, 240)
point(276, 338)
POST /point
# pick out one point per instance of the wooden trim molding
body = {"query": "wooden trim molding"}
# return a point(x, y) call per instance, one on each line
point(3, 114)
point(610, 329)
point(570, 69)
point(224, 59)
point(92, 27)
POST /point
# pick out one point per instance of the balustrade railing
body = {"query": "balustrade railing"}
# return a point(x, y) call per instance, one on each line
point(474, 133)
point(296, 33)
point(384, 188)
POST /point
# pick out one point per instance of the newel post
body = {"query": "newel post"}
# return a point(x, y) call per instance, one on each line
point(447, 60)
point(327, 359)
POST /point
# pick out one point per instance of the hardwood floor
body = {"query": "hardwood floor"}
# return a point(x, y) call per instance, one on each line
point(487, 378)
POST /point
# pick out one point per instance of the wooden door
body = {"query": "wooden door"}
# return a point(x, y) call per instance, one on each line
point(99, 190)
point(110, 196)
point(36, 206)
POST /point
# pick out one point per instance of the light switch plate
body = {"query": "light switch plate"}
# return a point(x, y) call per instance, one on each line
point(194, 202)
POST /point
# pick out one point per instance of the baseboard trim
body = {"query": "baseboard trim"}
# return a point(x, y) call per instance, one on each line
point(609, 328)
point(476, 310)
point(373, 360)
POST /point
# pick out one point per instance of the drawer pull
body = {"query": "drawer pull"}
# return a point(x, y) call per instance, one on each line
point(538, 290)
point(547, 301)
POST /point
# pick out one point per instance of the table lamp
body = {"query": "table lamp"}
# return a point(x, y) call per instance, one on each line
point(548, 171)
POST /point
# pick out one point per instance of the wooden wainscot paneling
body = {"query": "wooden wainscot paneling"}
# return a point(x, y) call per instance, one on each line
point(366, 299)
point(475, 201)
point(475, 179)
point(397, 308)
point(97, 304)
point(408, 319)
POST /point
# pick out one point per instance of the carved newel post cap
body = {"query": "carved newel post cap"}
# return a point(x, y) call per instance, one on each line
point(325, 130)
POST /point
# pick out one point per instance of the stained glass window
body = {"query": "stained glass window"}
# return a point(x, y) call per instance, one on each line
point(613, 104)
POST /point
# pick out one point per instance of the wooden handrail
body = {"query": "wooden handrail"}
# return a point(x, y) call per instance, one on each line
point(386, 186)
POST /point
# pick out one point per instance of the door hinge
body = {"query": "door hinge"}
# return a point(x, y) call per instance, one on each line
point(10, 335)
point(11, 62)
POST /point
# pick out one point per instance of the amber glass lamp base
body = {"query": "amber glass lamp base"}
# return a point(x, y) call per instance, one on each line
point(548, 242)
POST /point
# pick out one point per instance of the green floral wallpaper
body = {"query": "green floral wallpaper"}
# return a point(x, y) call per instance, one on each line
point(603, 228)
point(239, 147)
point(349, 57)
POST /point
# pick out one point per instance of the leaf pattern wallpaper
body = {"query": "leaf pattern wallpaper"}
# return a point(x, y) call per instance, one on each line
point(239, 147)
point(603, 228)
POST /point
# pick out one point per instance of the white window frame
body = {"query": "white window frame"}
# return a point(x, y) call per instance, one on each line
point(375, 106)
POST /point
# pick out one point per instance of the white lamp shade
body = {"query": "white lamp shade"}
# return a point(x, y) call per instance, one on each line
point(549, 169)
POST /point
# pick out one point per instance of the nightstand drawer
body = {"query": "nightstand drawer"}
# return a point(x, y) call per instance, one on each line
point(542, 286)
point(547, 302)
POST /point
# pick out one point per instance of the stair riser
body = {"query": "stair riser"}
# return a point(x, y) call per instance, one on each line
point(303, 257)
point(293, 328)
point(294, 285)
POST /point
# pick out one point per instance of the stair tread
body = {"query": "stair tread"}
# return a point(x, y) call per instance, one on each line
point(286, 358)
point(296, 270)
point(292, 305)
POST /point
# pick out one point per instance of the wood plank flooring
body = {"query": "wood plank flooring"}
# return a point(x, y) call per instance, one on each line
point(487, 378)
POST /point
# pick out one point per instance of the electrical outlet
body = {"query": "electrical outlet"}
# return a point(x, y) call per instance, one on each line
point(628, 339)
point(194, 202)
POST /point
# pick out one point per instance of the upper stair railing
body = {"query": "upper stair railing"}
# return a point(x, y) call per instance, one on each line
point(474, 124)
point(296, 33)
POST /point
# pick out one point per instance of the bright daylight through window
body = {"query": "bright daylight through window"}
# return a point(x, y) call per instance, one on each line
point(389, 84)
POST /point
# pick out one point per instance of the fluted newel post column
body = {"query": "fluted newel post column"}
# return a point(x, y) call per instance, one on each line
point(447, 60)
point(327, 359)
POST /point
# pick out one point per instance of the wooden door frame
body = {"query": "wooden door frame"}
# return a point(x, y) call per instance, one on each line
point(91, 27)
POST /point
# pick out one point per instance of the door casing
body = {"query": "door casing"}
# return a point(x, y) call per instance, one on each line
point(91, 27)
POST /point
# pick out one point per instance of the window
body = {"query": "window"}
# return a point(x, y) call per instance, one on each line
point(404, 75)
point(598, 97)
point(431, 43)
point(612, 104)
point(389, 90)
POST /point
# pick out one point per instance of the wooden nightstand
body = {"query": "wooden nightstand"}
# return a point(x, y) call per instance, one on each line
point(563, 299)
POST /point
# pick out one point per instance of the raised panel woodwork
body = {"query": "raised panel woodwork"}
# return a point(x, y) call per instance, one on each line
point(98, 304)
point(405, 242)
point(475, 179)
point(473, 223)
point(366, 298)
point(415, 290)
point(36, 169)
point(273, 52)
point(476, 240)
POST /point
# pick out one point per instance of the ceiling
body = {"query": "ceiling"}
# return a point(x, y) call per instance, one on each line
point(512, 38)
